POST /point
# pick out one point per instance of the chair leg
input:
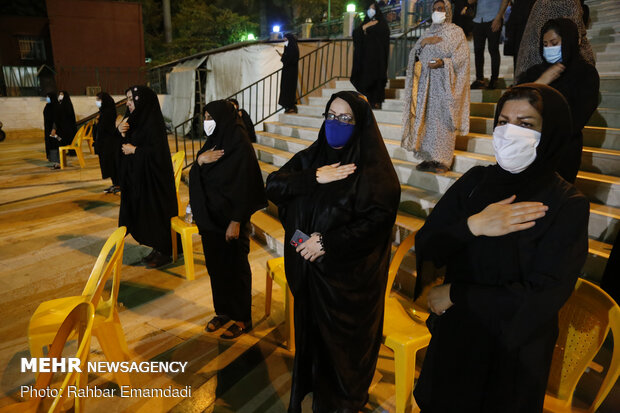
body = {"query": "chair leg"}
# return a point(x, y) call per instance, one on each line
point(268, 287)
point(290, 319)
point(175, 252)
point(112, 340)
point(61, 155)
point(90, 147)
point(404, 363)
point(80, 157)
point(188, 255)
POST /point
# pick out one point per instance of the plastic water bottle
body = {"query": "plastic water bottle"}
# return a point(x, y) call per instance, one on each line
point(188, 214)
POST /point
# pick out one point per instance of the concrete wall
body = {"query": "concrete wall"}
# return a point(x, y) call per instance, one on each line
point(26, 113)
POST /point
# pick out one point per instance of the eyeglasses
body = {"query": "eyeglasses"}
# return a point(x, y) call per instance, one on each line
point(344, 118)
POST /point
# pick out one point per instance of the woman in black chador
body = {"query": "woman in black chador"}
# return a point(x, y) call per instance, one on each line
point(371, 48)
point(226, 188)
point(290, 69)
point(513, 238)
point(577, 80)
point(148, 195)
point(107, 140)
point(67, 127)
point(247, 120)
point(50, 123)
point(343, 192)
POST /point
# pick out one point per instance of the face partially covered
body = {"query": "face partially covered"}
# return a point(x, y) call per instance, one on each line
point(339, 123)
point(130, 103)
point(521, 113)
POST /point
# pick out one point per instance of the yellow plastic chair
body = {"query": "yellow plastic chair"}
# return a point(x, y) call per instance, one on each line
point(89, 137)
point(79, 322)
point(178, 224)
point(584, 322)
point(75, 145)
point(403, 332)
point(275, 272)
point(107, 326)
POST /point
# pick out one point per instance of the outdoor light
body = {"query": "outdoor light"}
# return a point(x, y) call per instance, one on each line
point(276, 29)
point(251, 36)
point(351, 7)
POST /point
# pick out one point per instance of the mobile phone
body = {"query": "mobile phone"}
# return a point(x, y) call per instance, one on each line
point(299, 238)
point(433, 61)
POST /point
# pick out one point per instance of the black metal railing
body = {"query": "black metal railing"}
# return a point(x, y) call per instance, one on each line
point(121, 107)
point(329, 61)
point(400, 48)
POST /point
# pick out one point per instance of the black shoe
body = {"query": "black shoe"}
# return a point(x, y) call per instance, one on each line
point(158, 260)
point(478, 84)
point(423, 166)
point(216, 323)
point(149, 257)
point(492, 84)
point(376, 106)
point(109, 189)
point(438, 168)
point(235, 330)
point(116, 190)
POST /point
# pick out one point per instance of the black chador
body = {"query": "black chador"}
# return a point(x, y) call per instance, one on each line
point(107, 139)
point(290, 69)
point(578, 83)
point(371, 49)
point(66, 127)
point(491, 351)
point(148, 195)
point(50, 123)
point(229, 189)
point(338, 300)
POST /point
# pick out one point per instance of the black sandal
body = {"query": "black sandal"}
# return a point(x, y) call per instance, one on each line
point(235, 330)
point(217, 322)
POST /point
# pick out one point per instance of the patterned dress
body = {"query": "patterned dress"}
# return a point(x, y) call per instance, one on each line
point(437, 100)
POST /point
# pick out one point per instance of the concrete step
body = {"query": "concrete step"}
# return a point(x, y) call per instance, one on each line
point(610, 38)
point(383, 116)
point(607, 57)
point(606, 48)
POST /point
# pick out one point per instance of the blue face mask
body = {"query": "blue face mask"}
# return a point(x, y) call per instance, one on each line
point(48, 100)
point(338, 133)
point(553, 54)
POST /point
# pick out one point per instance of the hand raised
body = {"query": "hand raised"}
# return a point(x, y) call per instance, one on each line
point(504, 217)
point(551, 74)
point(431, 40)
point(210, 156)
point(334, 172)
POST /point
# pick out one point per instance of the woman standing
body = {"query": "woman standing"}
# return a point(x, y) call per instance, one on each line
point(437, 92)
point(290, 69)
point(371, 49)
point(565, 70)
point(344, 193)
point(513, 238)
point(148, 195)
point(50, 122)
point(543, 11)
point(107, 140)
point(226, 188)
point(67, 127)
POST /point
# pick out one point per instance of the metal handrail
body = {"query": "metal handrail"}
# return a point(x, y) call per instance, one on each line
point(88, 118)
point(317, 68)
point(402, 45)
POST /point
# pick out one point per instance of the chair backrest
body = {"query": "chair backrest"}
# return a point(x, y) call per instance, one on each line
point(584, 322)
point(177, 166)
point(105, 267)
point(78, 323)
point(402, 250)
point(79, 135)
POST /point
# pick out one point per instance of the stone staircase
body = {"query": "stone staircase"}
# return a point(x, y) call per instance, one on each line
point(599, 178)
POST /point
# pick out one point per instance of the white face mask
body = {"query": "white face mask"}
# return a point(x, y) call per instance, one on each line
point(515, 147)
point(48, 100)
point(553, 54)
point(371, 13)
point(209, 126)
point(285, 43)
point(61, 97)
point(438, 17)
point(98, 103)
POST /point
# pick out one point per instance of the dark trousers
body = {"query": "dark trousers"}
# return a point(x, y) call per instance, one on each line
point(483, 32)
point(230, 273)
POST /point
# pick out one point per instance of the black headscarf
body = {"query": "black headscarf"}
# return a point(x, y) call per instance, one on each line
point(346, 289)
point(232, 188)
point(290, 71)
point(148, 195)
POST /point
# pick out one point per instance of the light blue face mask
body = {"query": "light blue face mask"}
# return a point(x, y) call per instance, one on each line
point(48, 100)
point(553, 54)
